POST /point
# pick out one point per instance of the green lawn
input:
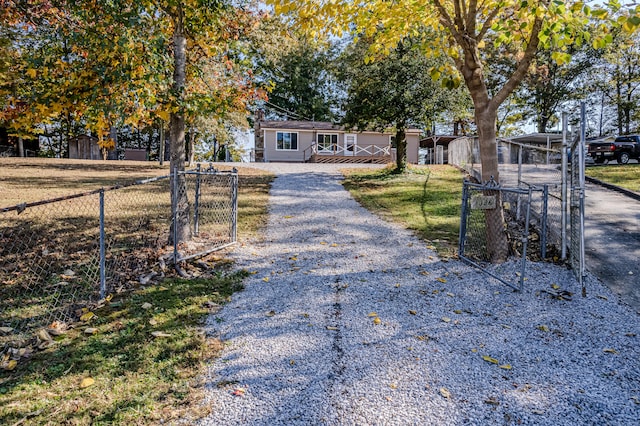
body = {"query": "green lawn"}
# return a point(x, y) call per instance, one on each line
point(426, 200)
point(627, 176)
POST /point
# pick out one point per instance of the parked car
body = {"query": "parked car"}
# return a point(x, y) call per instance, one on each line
point(622, 149)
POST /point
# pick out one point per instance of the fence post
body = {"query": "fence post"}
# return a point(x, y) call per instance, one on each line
point(174, 213)
point(196, 208)
point(463, 218)
point(234, 205)
point(543, 231)
point(103, 280)
point(564, 178)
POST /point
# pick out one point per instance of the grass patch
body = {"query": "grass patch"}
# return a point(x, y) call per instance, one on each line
point(425, 199)
point(139, 379)
point(625, 176)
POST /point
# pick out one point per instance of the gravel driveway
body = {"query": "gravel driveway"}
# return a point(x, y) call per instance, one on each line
point(350, 320)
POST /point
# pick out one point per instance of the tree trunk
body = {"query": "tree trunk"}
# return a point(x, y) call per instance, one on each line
point(401, 151)
point(497, 244)
point(180, 201)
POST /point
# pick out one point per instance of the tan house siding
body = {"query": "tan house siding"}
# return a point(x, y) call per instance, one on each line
point(306, 136)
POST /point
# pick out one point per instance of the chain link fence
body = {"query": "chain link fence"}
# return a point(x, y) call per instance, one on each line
point(62, 255)
point(540, 187)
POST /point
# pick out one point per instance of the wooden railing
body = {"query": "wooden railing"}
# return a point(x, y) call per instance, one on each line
point(340, 151)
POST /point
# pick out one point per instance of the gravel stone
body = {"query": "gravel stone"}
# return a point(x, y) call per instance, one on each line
point(303, 344)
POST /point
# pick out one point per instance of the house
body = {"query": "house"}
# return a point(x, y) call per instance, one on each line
point(324, 142)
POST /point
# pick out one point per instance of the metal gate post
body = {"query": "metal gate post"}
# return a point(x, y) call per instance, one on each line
point(196, 208)
point(543, 226)
point(174, 205)
point(463, 218)
point(234, 206)
point(564, 178)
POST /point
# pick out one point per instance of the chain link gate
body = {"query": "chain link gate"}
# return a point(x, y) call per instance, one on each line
point(576, 203)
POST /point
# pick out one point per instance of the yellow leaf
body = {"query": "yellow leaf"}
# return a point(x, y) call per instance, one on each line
point(393, 386)
point(543, 328)
point(86, 382)
point(445, 392)
point(457, 311)
point(555, 286)
point(323, 243)
point(31, 72)
point(506, 366)
point(489, 359)
point(11, 365)
point(164, 115)
point(87, 316)
point(331, 328)
point(292, 362)
point(287, 217)
point(372, 314)
point(442, 280)
point(334, 245)
point(481, 44)
point(377, 321)
point(265, 279)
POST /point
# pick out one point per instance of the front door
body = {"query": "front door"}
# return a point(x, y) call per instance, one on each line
point(350, 144)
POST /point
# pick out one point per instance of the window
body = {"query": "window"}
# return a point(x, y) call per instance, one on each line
point(286, 141)
point(327, 143)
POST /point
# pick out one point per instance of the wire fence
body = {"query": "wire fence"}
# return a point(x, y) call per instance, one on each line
point(62, 255)
point(540, 188)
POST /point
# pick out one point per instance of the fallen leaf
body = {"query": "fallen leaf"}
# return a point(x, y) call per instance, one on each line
point(238, 392)
point(287, 217)
point(610, 351)
point(153, 322)
point(412, 312)
point(442, 280)
point(543, 327)
point(5, 330)
point(377, 321)
point(334, 245)
point(90, 330)
point(265, 279)
point(160, 334)
point(492, 400)
point(271, 313)
point(331, 328)
point(323, 243)
point(445, 392)
point(393, 386)
point(489, 359)
point(372, 314)
point(506, 366)
point(44, 336)
point(602, 297)
point(292, 362)
point(555, 286)
point(457, 311)
point(446, 319)
point(86, 382)
point(9, 366)
point(451, 295)
point(87, 316)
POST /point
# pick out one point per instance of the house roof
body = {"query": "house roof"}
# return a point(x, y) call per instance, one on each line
point(312, 125)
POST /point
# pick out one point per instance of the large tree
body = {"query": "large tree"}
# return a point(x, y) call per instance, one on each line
point(392, 91)
point(464, 28)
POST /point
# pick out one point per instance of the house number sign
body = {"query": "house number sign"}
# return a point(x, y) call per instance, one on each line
point(483, 202)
